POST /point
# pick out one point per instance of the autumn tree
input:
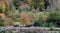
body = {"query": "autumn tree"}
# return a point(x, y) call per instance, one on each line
point(5, 8)
point(6, 2)
point(25, 19)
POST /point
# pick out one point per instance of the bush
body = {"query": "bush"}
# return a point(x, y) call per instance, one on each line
point(48, 19)
point(37, 4)
point(16, 3)
point(14, 16)
point(54, 18)
point(45, 19)
point(1, 21)
point(41, 19)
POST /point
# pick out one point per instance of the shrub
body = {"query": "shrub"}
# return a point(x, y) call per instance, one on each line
point(41, 19)
point(25, 19)
point(37, 4)
point(48, 19)
point(14, 15)
point(1, 21)
point(54, 18)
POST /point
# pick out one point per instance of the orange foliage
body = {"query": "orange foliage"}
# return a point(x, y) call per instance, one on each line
point(25, 18)
point(3, 15)
point(8, 22)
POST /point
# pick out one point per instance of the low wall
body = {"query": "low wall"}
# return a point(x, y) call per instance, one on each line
point(34, 29)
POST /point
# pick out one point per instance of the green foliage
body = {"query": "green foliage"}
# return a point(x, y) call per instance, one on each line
point(14, 15)
point(41, 19)
point(54, 17)
point(48, 25)
point(44, 19)
point(25, 1)
point(1, 22)
point(16, 3)
point(37, 4)
point(50, 19)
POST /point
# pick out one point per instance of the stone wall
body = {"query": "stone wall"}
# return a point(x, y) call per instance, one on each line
point(34, 30)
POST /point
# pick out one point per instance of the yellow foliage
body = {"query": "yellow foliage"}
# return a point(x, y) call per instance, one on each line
point(3, 7)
